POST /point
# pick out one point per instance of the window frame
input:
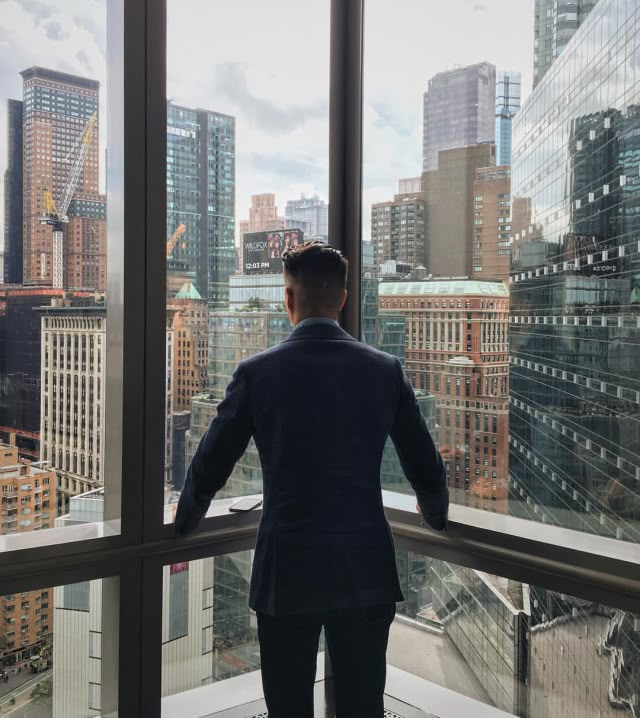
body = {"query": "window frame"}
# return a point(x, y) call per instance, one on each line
point(129, 550)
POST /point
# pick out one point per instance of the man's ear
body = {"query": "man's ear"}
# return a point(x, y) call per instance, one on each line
point(288, 298)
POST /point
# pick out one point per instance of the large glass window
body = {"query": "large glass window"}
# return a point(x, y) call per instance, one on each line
point(513, 294)
point(53, 274)
point(51, 651)
point(247, 177)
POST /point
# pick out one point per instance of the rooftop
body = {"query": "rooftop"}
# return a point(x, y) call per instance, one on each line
point(188, 291)
point(458, 287)
point(56, 76)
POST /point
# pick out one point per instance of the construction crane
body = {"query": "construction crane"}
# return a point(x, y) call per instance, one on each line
point(55, 215)
point(171, 243)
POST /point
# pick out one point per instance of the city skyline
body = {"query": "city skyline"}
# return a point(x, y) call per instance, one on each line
point(292, 110)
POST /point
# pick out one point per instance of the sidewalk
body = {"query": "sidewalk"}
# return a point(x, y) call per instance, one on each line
point(15, 681)
point(23, 707)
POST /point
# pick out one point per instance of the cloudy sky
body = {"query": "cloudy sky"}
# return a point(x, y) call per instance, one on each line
point(267, 64)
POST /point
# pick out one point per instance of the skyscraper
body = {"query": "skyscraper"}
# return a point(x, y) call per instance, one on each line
point(13, 196)
point(556, 21)
point(575, 290)
point(201, 200)
point(57, 109)
point(508, 97)
point(311, 209)
point(459, 109)
point(450, 220)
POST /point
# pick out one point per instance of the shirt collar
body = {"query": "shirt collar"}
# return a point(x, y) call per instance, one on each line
point(316, 320)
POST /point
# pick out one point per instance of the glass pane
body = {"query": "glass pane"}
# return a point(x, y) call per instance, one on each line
point(500, 248)
point(51, 652)
point(247, 176)
point(53, 316)
point(209, 632)
point(210, 635)
point(525, 650)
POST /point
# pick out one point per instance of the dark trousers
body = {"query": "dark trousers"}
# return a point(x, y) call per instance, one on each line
point(357, 644)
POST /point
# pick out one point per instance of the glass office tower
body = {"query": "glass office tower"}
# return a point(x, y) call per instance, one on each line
point(200, 201)
point(575, 299)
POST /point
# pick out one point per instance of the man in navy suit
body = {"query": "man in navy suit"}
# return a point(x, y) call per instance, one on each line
point(320, 407)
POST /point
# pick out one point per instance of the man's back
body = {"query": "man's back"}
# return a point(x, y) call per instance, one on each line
point(320, 407)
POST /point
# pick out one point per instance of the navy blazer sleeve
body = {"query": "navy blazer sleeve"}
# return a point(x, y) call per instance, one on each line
point(219, 449)
point(421, 461)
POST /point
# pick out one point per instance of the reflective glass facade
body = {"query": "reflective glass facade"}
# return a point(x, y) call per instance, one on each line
point(508, 94)
point(575, 292)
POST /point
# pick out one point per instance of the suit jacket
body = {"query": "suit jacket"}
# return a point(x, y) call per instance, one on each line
point(320, 407)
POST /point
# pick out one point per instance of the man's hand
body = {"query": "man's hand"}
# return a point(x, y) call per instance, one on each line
point(441, 524)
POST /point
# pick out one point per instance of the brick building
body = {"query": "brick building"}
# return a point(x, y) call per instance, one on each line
point(28, 504)
point(448, 194)
point(457, 350)
point(492, 223)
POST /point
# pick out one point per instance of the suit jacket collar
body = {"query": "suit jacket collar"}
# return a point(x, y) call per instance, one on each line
point(319, 331)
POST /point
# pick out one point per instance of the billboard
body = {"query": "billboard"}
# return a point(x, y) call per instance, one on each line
point(262, 251)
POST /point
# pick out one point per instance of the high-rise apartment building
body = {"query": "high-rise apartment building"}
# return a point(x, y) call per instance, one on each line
point(492, 223)
point(57, 109)
point(397, 230)
point(201, 201)
point(28, 504)
point(459, 109)
point(508, 100)
point(13, 195)
point(575, 290)
point(190, 346)
point(457, 350)
point(309, 209)
point(448, 195)
point(73, 394)
point(556, 21)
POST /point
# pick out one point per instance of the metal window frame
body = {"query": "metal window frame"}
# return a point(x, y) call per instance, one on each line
point(131, 562)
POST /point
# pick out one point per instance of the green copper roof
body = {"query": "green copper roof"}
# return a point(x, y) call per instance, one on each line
point(188, 291)
point(449, 286)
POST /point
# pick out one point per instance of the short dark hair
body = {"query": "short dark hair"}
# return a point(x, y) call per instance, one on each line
point(319, 272)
